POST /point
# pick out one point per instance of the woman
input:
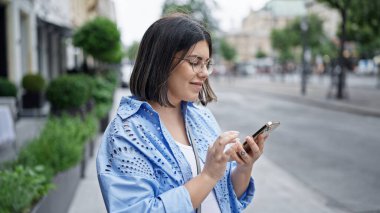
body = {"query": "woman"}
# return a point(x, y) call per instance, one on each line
point(164, 153)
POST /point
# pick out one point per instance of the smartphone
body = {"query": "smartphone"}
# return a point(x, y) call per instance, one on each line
point(265, 129)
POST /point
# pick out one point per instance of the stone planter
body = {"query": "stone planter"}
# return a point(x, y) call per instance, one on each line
point(11, 102)
point(58, 200)
point(32, 100)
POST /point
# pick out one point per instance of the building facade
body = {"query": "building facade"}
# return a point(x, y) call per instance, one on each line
point(35, 35)
point(256, 28)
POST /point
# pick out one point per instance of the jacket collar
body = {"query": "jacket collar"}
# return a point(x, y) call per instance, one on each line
point(130, 105)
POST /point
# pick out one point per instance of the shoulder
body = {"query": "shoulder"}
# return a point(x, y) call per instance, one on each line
point(201, 115)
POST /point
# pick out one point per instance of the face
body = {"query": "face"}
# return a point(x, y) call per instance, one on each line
point(184, 84)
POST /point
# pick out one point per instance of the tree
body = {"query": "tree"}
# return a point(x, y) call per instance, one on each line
point(198, 9)
point(283, 40)
point(227, 51)
point(343, 7)
point(100, 38)
point(363, 27)
point(288, 39)
point(260, 54)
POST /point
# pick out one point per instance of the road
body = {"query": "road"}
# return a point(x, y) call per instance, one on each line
point(334, 154)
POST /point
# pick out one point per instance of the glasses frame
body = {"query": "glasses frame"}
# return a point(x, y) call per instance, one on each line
point(207, 63)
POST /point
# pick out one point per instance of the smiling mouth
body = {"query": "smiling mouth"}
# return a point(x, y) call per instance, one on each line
point(196, 83)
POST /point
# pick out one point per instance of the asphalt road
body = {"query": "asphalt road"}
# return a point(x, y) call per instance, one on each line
point(335, 154)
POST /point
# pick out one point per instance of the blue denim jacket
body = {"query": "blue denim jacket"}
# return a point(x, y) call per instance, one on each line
point(141, 168)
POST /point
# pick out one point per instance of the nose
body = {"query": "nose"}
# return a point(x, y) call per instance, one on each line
point(203, 71)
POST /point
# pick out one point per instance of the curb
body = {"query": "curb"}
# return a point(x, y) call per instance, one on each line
point(329, 104)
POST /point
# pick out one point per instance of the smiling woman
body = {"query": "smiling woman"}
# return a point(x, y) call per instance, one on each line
point(164, 152)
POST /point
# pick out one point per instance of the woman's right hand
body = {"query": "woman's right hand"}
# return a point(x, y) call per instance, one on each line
point(217, 159)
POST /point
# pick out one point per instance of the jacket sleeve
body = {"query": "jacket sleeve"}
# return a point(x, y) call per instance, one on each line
point(130, 183)
point(246, 198)
point(137, 194)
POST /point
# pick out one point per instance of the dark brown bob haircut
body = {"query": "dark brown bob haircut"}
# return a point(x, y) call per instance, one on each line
point(154, 63)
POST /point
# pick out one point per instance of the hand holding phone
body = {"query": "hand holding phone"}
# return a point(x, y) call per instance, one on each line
point(265, 130)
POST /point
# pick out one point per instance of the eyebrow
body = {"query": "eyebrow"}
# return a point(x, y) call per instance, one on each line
point(198, 57)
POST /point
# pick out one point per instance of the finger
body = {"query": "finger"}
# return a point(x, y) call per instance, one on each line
point(242, 154)
point(224, 139)
point(260, 142)
point(253, 145)
point(235, 157)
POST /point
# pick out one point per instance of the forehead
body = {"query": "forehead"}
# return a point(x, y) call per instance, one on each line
point(200, 49)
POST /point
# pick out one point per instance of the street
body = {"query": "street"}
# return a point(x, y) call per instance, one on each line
point(334, 154)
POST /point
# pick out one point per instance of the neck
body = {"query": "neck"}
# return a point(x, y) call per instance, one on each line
point(166, 109)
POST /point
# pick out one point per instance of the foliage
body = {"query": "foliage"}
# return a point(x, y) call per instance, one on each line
point(101, 110)
point(260, 54)
point(112, 77)
point(198, 9)
point(363, 23)
point(132, 51)
point(7, 88)
point(291, 37)
point(100, 38)
point(104, 91)
point(59, 146)
point(227, 51)
point(33, 82)
point(20, 187)
point(67, 92)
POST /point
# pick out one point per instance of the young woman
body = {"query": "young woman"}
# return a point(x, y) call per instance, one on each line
point(164, 152)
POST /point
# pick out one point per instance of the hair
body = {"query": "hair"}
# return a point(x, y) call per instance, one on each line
point(154, 63)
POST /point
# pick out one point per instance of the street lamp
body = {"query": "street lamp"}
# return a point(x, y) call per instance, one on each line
point(304, 27)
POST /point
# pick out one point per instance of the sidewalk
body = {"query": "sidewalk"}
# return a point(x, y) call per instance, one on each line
point(293, 195)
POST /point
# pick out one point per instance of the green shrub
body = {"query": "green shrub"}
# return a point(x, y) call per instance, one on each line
point(33, 83)
point(112, 77)
point(101, 110)
point(20, 187)
point(7, 88)
point(89, 127)
point(59, 146)
point(100, 38)
point(67, 92)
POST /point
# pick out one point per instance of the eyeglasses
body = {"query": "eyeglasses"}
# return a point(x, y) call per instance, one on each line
point(198, 65)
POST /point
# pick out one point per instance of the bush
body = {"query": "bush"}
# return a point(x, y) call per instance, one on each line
point(104, 91)
point(101, 39)
point(59, 146)
point(20, 187)
point(101, 110)
point(67, 92)
point(33, 83)
point(7, 88)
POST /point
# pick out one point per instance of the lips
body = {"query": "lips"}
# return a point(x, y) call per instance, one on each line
point(197, 83)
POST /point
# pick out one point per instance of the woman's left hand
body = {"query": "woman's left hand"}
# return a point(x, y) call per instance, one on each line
point(247, 159)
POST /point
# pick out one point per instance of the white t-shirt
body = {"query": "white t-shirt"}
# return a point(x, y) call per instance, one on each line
point(210, 204)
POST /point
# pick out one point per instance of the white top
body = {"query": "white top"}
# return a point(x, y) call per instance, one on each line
point(210, 204)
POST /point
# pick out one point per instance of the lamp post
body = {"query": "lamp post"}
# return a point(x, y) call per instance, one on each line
point(304, 27)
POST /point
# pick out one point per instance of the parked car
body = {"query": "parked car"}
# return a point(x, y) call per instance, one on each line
point(366, 66)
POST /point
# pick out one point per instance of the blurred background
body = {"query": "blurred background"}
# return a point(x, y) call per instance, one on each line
point(313, 65)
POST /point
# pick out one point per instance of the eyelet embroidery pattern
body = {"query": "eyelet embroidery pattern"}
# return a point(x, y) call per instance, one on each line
point(139, 145)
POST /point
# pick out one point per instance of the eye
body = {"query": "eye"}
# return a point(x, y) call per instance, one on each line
point(194, 61)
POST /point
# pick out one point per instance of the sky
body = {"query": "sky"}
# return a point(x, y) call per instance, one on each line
point(135, 16)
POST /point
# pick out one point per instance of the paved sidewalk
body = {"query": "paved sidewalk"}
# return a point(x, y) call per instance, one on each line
point(293, 195)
